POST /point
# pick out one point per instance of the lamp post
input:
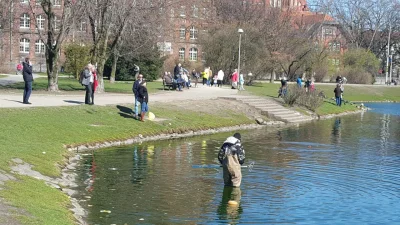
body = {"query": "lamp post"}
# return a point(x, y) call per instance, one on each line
point(388, 55)
point(240, 31)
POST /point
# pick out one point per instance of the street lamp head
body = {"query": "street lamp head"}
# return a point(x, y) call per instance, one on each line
point(240, 31)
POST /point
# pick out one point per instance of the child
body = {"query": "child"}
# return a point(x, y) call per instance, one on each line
point(215, 80)
point(143, 99)
point(241, 82)
point(231, 156)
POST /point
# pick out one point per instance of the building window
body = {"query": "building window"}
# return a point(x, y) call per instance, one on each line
point(24, 1)
point(195, 11)
point(40, 22)
point(182, 12)
point(182, 54)
point(57, 23)
point(205, 13)
point(193, 54)
point(24, 45)
point(182, 32)
point(193, 33)
point(82, 27)
point(25, 21)
point(328, 32)
point(39, 47)
point(56, 2)
point(334, 46)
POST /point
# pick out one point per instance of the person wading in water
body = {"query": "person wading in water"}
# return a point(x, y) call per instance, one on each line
point(231, 156)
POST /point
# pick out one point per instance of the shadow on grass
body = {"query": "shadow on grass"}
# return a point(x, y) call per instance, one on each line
point(125, 112)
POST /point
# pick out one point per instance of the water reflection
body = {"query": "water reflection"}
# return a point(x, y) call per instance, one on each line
point(230, 213)
point(339, 171)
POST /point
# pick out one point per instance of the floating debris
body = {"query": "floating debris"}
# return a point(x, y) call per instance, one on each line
point(105, 211)
point(141, 219)
point(112, 168)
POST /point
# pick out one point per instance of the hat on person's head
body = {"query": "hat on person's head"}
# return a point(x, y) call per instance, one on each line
point(238, 136)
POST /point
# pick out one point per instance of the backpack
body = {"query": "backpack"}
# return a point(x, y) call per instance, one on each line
point(81, 76)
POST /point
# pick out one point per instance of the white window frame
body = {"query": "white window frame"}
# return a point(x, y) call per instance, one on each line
point(56, 2)
point(57, 23)
point(195, 11)
point(24, 1)
point(182, 53)
point(182, 12)
point(25, 21)
point(193, 54)
point(39, 47)
point(24, 45)
point(182, 32)
point(40, 20)
point(193, 33)
point(83, 26)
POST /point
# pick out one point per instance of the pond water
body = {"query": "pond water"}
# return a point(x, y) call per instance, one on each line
point(340, 171)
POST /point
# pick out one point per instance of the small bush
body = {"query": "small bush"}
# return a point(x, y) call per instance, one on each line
point(357, 76)
point(297, 95)
point(310, 100)
point(292, 94)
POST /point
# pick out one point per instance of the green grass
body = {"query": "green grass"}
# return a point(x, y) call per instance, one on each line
point(71, 84)
point(28, 132)
point(2, 76)
point(351, 93)
point(330, 107)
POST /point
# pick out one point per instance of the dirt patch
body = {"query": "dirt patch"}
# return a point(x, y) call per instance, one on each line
point(218, 107)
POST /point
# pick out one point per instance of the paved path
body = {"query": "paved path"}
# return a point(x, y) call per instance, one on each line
point(14, 100)
point(11, 79)
point(271, 108)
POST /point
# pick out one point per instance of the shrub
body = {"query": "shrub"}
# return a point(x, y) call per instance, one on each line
point(310, 100)
point(296, 95)
point(357, 76)
point(292, 94)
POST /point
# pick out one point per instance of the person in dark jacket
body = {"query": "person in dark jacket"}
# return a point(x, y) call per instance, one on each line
point(28, 79)
point(143, 99)
point(231, 156)
point(87, 81)
point(338, 95)
point(135, 89)
point(177, 69)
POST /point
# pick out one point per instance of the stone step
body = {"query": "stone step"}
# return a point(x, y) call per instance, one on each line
point(269, 106)
point(291, 117)
point(282, 113)
point(297, 121)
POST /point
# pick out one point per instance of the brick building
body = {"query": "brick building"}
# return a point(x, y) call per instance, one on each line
point(19, 34)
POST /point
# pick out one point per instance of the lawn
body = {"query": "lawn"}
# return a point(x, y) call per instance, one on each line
point(351, 93)
point(2, 76)
point(71, 84)
point(357, 93)
point(38, 135)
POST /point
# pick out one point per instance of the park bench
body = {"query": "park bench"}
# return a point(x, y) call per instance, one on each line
point(167, 82)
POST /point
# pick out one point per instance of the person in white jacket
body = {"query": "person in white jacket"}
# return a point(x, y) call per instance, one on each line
point(220, 78)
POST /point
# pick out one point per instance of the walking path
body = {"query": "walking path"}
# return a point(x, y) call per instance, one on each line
point(14, 100)
point(271, 108)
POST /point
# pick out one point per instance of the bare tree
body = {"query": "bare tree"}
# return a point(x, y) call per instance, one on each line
point(59, 22)
point(108, 20)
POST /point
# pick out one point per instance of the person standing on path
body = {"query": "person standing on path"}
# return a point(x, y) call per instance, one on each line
point(338, 95)
point(220, 78)
point(143, 99)
point(28, 79)
point(231, 156)
point(241, 82)
point(205, 76)
point(95, 83)
point(235, 78)
point(19, 68)
point(87, 81)
point(195, 76)
point(135, 89)
point(299, 81)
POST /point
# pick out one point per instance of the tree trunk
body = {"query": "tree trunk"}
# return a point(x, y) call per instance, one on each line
point(273, 76)
point(114, 68)
point(52, 71)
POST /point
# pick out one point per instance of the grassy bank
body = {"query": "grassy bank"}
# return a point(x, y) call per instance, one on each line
point(37, 136)
point(71, 84)
point(2, 76)
point(357, 93)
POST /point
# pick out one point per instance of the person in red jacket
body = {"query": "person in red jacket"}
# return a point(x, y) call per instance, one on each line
point(95, 83)
point(235, 79)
